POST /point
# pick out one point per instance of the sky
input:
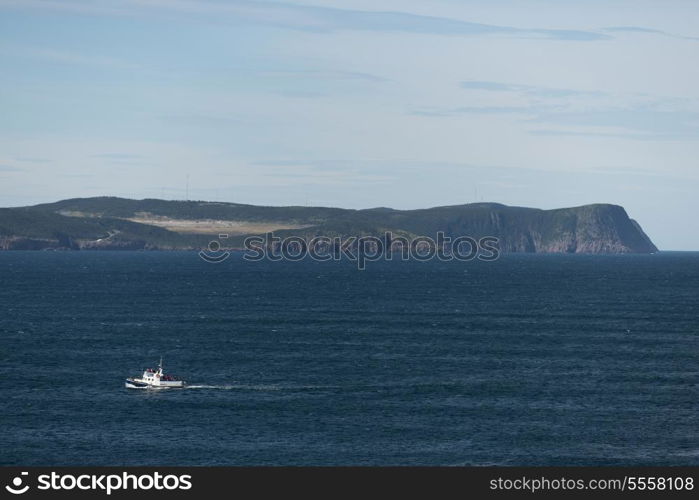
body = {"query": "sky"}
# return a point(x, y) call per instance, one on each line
point(398, 103)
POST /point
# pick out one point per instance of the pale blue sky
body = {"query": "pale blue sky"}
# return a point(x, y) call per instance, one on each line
point(356, 104)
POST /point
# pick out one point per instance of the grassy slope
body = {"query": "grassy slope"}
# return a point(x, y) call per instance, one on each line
point(38, 224)
point(124, 208)
point(519, 229)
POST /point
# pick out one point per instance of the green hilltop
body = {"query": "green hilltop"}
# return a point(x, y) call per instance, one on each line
point(119, 223)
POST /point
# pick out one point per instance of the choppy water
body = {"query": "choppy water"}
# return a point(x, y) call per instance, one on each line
point(529, 360)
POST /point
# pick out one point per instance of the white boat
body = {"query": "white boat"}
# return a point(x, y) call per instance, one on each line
point(154, 379)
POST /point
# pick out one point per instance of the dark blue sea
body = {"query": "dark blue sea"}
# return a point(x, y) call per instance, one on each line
point(529, 360)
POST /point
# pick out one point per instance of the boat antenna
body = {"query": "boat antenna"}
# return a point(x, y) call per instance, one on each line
point(160, 365)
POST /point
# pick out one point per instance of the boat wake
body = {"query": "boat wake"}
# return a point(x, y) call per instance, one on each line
point(262, 387)
point(236, 387)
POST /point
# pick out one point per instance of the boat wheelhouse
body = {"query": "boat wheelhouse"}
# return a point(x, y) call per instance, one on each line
point(154, 378)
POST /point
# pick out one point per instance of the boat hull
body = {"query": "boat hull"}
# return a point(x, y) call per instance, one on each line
point(132, 383)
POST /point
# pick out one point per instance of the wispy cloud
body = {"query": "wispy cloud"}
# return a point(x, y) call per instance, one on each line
point(8, 168)
point(655, 121)
point(646, 31)
point(633, 29)
point(315, 18)
point(363, 165)
point(210, 120)
point(28, 159)
point(548, 111)
point(526, 89)
point(118, 156)
point(122, 159)
point(640, 122)
point(324, 19)
point(592, 133)
point(326, 171)
point(67, 57)
point(327, 74)
point(480, 110)
point(301, 94)
point(313, 83)
point(78, 7)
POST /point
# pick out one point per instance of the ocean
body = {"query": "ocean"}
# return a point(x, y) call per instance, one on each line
point(528, 360)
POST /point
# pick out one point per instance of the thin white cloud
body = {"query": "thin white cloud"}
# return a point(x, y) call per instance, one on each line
point(646, 31)
point(327, 74)
point(32, 159)
point(315, 18)
point(70, 6)
point(531, 90)
point(67, 57)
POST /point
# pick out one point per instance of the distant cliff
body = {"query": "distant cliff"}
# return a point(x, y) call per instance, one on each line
point(117, 223)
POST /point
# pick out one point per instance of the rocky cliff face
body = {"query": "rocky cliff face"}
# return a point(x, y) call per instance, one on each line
point(599, 228)
point(586, 229)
